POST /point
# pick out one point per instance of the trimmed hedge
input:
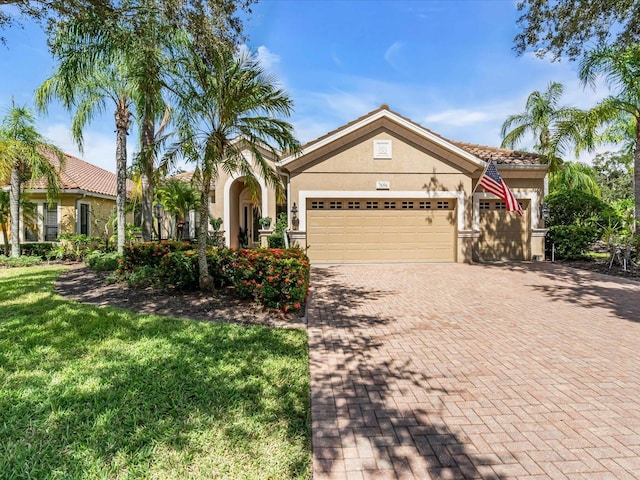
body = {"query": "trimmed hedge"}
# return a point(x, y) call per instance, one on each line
point(40, 249)
point(276, 278)
point(102, 262)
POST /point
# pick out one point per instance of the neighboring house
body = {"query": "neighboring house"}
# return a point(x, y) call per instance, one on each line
point(384, 189)
point(86, 203)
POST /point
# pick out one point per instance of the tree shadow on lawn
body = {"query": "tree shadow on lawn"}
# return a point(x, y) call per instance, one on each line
point(580, 287)
point(101, 391)
point(373, 408)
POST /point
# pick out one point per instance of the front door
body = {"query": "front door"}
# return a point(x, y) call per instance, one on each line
point(249, 234)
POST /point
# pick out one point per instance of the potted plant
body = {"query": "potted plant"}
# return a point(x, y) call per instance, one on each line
point(265, 222)
point(216, 223)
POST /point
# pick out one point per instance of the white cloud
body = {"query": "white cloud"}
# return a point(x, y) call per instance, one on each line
point(262, 55)
point(392, 54)
point(267, 58)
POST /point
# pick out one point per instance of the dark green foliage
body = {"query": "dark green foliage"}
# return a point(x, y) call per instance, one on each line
point(151, 253)
point(276, 239)
point(36, 249)
point(103, 262)
point(577, 220)
point(571, 241)
point(164, 264)
point(574, 207)
point(614, 173)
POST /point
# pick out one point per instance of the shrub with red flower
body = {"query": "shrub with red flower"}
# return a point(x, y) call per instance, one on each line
point(277, 278)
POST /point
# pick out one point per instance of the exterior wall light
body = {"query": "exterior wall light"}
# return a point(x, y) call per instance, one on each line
point(544, 211)
point(295, 221)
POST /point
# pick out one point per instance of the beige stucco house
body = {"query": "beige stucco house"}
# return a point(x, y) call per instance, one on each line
point(385, 189)
point(85, 205)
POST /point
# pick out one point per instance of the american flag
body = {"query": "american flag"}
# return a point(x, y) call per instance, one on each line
point(492, 182)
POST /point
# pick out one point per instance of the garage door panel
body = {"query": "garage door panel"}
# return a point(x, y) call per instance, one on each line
point(504, 235)
point(381, 235)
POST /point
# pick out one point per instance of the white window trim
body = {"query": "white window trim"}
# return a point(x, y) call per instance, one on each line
point(45, 207)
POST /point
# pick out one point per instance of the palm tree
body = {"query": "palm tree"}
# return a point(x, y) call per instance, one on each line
point(133, 53)
point(88, 94)
point(28, 156)
point(178, 197)
point(29, 212)
point(541, 118)
point(575, 176)
point(621, 70)
point(223, 97)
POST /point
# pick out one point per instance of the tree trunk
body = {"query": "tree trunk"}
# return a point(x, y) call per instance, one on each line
point(636, 177)
point(122, 126)
point(14, 208)
point(146, 147)
point(5, 236)
point(206, 282)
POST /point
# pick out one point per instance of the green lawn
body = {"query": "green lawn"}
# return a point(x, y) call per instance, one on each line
point(91, 392)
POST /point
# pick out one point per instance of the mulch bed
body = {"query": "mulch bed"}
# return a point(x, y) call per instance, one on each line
point(601, 265)
point(81, 283)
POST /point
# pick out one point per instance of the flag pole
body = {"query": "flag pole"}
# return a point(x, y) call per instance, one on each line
point(480, 177)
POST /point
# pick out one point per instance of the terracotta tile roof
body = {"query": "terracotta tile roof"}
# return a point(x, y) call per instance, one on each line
point(498, 155)
point(184, 176)
point(188, 177)
point(81, 175)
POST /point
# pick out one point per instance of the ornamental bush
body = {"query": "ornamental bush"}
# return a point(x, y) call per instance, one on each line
point(102, 262)
point(572, 242)
point(276, 278)
point(150, 253)
point(40, 249)
point(572, 207)
point(179, 270)
point(577, 220)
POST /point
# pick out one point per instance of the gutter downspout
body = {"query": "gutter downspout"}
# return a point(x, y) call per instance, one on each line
point(288, 198)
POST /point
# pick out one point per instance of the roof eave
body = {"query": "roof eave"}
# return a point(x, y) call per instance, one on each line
point(384, 113)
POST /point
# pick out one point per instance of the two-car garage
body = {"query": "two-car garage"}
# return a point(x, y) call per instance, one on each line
point(384, 189)
point(348, 230)
point(355, 230)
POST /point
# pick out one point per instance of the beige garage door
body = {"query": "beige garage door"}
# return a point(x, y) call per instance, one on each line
point(503, 235)
point(374, 230)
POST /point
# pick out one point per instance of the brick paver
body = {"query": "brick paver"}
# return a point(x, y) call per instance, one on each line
point(453, 371)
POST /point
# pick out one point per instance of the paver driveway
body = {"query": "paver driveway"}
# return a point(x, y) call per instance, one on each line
point(468, 371)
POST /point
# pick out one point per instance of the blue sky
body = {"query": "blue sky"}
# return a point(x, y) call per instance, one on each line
point(448, 65)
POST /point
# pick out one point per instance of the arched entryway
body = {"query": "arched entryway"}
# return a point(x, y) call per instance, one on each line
point(243, 209)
